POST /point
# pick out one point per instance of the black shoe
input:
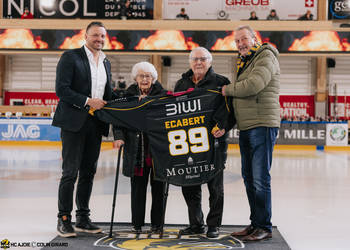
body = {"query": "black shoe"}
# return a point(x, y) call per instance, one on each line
point(136, 229)
point(192, 230)
point(156, 229)
point(83, 224)
point(213, 232)
point(64, 227)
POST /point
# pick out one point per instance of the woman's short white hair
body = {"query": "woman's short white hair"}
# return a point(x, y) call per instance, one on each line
point(208, 54)
point(146, 67)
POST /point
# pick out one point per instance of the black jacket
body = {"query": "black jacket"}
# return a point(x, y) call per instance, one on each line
point(136, 143)
point(224, 113)
point(73, 86)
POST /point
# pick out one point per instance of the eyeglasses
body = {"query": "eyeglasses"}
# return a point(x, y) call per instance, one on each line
point(142, 76)
point(201, 59)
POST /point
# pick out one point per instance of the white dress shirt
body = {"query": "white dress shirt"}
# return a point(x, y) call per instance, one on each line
point(98, 74)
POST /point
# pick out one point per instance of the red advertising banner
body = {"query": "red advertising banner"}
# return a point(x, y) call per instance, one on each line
point(30, 98)
point(339, 106)
point(297, 105)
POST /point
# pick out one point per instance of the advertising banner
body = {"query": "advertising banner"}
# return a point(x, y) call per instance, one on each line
point(302, 133)
point(290, 133)
point(28, 129)
point(174, 40)
point(338, 9)
point(61, 9)
point(295, 133)
point(239, 9)
point(339, 107)
point(297, 106)
point(337, 134)
point(30, 98)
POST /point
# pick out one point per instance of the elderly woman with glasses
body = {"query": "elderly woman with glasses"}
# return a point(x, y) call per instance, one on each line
point(137, 159)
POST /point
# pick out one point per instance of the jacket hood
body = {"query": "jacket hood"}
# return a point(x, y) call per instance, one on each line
point(269, 47)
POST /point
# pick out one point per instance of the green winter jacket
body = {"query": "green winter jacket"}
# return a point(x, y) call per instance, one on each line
point(256, 91)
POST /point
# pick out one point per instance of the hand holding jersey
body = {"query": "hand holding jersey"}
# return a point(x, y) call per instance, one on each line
point(117, 144)
point(96, 103)
point(216, 132)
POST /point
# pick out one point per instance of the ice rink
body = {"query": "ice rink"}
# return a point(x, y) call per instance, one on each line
point(310, 195)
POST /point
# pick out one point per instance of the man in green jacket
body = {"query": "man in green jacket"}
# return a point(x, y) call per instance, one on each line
point(256, 105)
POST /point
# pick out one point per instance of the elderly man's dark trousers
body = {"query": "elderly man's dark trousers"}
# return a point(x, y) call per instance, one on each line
point(193, 198)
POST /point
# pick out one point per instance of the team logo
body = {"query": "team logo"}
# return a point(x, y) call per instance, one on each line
point(183, 107)
point(123, 240)
point(340, 9)
point(5, 244)
point(337, 133)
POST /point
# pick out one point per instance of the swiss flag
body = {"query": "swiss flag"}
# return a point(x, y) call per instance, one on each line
point(309, 3)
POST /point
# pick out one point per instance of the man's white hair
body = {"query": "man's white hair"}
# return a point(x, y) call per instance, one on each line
point(208, 54)
point(247, 27)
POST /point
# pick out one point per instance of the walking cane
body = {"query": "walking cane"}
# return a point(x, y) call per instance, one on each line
point(166, 191)
point(115, 190)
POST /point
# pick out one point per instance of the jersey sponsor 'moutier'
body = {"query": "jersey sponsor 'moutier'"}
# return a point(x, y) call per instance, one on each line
point(179, 130)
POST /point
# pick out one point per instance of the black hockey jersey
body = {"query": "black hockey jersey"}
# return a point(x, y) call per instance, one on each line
point(179, 130)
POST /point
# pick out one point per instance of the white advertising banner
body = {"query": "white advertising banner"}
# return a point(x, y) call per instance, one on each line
point(337, 134)
point(239, 9)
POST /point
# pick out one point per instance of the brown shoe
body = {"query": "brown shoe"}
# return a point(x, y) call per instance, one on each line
point(245, 232)
point(258, 234)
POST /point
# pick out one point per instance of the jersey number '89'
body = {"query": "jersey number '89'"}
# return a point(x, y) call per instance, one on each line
point(197, 138)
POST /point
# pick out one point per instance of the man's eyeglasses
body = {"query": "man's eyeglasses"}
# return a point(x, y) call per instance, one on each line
point(201, 59)
point(142, 76)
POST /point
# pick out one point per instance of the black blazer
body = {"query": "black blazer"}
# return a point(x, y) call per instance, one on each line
point(73, 86)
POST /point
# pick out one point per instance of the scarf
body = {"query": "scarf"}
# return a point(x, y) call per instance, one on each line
point(242, 61)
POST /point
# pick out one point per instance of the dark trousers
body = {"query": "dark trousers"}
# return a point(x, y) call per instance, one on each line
point(138, 198)
point(80, 152)
point(193, 198)
point(256, 146)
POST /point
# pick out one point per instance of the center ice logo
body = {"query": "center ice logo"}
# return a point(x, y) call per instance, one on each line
point(171, 240)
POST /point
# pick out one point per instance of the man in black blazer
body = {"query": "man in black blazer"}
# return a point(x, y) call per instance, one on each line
point(83, 80)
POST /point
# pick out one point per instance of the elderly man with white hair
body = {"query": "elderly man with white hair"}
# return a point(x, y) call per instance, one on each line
point(201, 75)
point(137, 159)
